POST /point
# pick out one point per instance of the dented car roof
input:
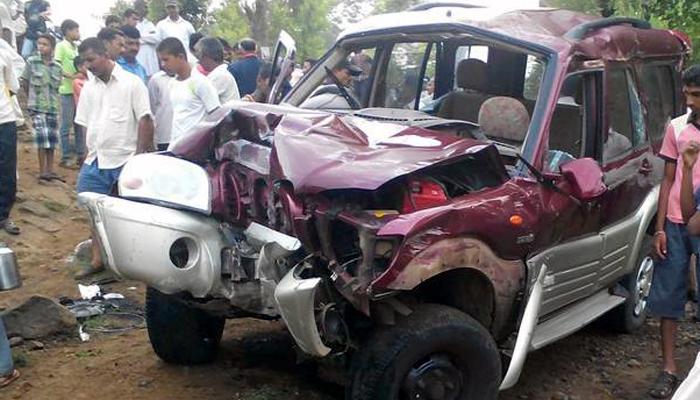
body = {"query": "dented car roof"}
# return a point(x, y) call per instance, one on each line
point(541, 26)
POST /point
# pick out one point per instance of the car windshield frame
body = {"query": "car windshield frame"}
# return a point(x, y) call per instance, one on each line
point(530, 149)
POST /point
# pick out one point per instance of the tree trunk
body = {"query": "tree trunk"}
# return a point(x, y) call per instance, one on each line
point(257, 19)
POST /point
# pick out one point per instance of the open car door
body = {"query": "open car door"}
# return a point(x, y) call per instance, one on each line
point(282, 67)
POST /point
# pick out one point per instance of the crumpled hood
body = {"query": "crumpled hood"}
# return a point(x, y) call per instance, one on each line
point(348, 152)
point(319, 151)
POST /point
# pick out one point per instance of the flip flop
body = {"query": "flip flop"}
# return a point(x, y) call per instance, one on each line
point(55, 177)
point(10, 227)
point(45, 177)
point(11, 377)
point(664, 386)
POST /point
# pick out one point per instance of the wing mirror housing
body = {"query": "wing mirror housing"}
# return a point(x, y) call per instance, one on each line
point(585, 179)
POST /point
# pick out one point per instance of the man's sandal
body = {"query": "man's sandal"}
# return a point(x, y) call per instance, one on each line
point(10, 227)
point(666, 383)
point(7, 379)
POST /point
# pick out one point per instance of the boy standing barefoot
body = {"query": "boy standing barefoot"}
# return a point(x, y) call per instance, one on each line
point(41, 80)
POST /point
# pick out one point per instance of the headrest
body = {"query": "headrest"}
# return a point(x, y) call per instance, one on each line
point(504, 117)
point(472, 74)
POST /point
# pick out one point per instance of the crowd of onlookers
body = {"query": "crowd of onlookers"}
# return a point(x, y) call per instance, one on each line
point(136, 87)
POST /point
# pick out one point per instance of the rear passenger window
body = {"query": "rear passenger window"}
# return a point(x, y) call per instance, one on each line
point(622, 132)
point(657, 84)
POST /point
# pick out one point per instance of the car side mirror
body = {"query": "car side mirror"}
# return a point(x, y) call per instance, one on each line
point(585, 178)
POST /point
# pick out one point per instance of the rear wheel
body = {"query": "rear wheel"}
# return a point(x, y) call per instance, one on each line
point(181, 334)
point(630, 316)
point(436, 353)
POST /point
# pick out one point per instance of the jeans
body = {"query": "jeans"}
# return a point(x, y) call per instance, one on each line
point(6, 365)
point(68, 148)
point(669, 289)
point(28, 47)
point(8, 168)
point(94, 179)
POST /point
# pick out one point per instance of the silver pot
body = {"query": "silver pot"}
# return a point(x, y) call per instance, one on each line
point(9, 274)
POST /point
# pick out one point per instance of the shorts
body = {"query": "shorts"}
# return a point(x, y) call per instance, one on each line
point(96, 180)
point(669, 286)
point(45, 130)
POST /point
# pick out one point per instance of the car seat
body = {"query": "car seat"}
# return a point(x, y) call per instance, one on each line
point(504, 119)
point(464, 103)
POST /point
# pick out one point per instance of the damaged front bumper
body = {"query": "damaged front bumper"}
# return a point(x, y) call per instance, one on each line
point(170, 250)
point(295, 297)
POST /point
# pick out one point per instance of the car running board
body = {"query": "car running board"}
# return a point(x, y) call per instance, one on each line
point(532, 337)
point(574, 318)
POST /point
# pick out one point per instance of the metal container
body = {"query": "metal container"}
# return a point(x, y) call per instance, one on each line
point(9, 274)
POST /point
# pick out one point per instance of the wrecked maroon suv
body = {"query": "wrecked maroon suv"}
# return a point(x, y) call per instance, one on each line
point(485, 187)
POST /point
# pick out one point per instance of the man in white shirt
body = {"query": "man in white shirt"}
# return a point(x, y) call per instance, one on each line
point(8, 142)
point(115, 111)
point(210, 53)
point(149, 39)
point(175, 26)
point(192, 96)
point(159, 93)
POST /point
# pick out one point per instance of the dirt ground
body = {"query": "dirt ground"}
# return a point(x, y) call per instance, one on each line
point(256, 361)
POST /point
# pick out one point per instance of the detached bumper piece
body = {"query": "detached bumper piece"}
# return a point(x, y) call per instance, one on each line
point(171, 250)
point(295, 298)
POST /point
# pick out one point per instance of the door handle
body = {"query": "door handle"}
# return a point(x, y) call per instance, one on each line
point(645, 168)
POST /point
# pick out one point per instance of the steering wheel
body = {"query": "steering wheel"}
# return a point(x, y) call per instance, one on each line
point(343, 92)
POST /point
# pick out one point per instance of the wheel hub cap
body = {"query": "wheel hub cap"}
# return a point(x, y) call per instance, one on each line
point(433, 378)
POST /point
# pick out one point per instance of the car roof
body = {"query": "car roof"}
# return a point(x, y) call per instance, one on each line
point(543, 26)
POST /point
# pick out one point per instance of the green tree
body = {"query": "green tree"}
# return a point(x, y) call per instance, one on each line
point(683, 15)
point(120, 6)
point(230, 23)
point(306, 20)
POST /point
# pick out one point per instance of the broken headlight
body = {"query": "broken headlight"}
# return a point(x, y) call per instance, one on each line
point(167, 181)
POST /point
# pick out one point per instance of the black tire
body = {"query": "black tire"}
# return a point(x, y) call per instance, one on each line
point(181, 334)
point(388, 365)
point(627, 318)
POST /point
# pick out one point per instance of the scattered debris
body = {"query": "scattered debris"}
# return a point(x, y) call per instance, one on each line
point(38, 317)
point(89, 292)
point(109, 313)
point(84, 336)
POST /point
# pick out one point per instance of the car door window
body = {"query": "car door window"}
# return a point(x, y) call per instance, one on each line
point(566, 128)
point(401, 81)
point(624, 116)
point(658, 86)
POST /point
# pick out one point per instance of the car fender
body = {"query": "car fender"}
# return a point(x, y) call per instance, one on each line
point(506, 276)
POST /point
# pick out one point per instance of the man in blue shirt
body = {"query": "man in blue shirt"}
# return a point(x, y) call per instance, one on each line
point(131, 48)
point(245, 70)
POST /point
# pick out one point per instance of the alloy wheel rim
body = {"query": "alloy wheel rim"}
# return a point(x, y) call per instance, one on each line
point(643, 285)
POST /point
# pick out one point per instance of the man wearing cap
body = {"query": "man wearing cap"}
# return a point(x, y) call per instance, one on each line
point(330, 94)
point(175, 26)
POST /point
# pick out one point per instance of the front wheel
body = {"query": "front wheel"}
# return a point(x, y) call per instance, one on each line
point(181, 334)
point(436, 353)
